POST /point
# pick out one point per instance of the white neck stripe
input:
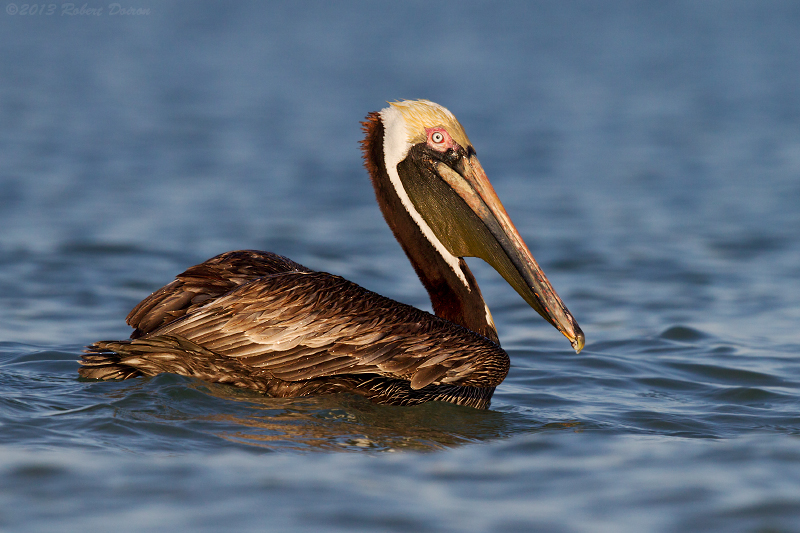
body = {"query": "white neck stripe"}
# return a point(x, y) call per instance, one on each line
point(395, 149)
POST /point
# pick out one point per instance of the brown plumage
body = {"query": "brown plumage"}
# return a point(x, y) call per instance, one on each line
point(260, 321)
point(298, 332)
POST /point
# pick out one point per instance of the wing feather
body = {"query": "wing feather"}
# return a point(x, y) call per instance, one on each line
point(203, 283)
point(302, 325)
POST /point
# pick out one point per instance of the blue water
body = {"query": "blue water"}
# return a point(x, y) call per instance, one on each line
point(649, 154)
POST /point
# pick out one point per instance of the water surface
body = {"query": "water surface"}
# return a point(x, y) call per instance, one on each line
point(648, 154)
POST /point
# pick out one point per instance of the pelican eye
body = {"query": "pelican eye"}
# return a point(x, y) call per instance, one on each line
point(437, 137)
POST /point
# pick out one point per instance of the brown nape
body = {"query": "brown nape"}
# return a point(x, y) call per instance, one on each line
point(451, 299)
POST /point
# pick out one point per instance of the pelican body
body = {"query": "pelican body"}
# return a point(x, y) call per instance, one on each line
point(261, 321)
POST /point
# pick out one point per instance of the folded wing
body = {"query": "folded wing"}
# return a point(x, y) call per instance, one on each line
point(203, 283)
point(305, 325)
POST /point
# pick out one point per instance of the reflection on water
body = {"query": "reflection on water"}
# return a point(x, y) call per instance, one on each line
point(339, 422)
point(153, 412)
point(351, 423)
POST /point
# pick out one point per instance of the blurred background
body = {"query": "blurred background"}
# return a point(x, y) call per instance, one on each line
point(649, 154)
point(631, 143)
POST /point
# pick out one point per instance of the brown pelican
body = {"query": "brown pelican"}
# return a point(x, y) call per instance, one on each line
point(261, 321)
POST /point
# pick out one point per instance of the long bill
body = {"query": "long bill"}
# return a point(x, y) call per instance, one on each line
point(479, 226)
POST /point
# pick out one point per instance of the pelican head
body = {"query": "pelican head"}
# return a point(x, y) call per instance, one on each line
point(435, 172)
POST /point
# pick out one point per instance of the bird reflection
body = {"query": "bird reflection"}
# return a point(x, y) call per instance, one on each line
point(174, 404)
point(350, 423)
